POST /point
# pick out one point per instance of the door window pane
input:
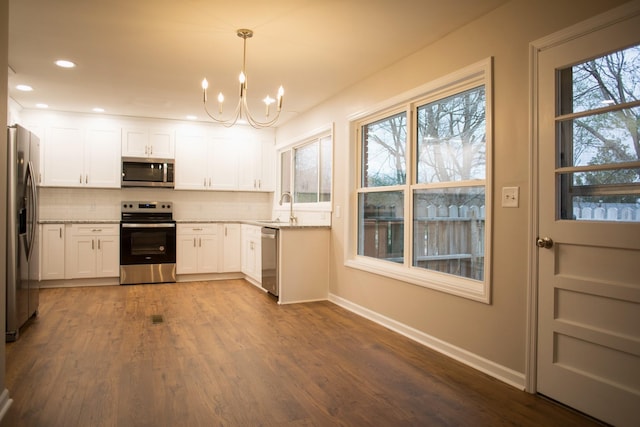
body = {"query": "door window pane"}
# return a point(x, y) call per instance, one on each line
point(383, 152)
point(599, 150)
point(381, 225)
point(601, 82)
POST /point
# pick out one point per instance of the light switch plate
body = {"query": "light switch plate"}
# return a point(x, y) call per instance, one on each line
point(510, 197)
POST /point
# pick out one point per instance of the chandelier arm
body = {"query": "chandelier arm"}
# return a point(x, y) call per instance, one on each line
point(257, 123)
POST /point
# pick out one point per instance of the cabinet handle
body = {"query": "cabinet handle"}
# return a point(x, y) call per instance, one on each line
point(194, 242)
point(151, 149)
point(205, 181)
point(209, 181)
point(225, 231)
point(199, 242)
point(93, 244)
point(98, 244)
point(60, 230)
point(80, 178)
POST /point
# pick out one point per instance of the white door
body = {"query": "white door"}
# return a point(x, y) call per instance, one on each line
point(589, 219)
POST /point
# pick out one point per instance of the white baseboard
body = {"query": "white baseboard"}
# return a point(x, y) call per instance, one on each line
point(5, 404)
point(502, 373)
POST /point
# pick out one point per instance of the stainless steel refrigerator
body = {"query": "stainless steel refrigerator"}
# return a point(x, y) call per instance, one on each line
point(22, 229)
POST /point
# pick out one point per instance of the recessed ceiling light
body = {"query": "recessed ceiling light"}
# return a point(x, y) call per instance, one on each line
point(40, 105)
point(98, 110)
point(192, 118)
point(63, 63)
point(24, 88)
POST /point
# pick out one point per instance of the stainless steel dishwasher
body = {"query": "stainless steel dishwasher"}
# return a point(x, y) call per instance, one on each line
point(270, 260)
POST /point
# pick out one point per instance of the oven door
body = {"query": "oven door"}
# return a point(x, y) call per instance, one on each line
point(147, 243)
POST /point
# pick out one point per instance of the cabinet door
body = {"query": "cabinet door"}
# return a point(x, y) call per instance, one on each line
point(52, 252)
point(187, 254)
point(135, 143)
point(249, 164)
point(81, 259)
point(107, 256)
point(64, 157)
point(268, 177)
point(208, 253)
point(161, 144)
point(223, 164)
point(191, 162)
point(102, 158)
point(230, 248)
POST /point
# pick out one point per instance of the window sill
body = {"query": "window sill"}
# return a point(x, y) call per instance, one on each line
point(458, 286)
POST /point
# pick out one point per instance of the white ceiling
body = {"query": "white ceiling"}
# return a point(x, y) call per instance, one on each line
point(146, 58)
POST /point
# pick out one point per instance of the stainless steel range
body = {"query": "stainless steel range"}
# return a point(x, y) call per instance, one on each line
point(147, 243)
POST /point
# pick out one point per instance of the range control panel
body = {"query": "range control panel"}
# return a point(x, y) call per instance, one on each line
point(147, 207)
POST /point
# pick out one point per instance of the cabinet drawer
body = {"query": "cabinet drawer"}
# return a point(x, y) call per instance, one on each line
point(93, 229)
point(250, 230)
point(188, 229)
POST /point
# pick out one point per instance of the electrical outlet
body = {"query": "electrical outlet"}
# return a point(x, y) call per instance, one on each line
point(510, 197)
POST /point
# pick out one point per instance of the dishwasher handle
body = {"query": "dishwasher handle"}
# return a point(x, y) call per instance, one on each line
point(269, 233)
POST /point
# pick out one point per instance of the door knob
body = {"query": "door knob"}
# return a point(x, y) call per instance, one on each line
point(544, 242)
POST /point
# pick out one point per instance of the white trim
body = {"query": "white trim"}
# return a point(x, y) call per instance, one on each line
point(474, 75)
point(502, 373)
point(299, 139)
point(5, 404)
point(611, 17)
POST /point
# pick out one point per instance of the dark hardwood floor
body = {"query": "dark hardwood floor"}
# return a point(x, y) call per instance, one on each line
point(224, 353)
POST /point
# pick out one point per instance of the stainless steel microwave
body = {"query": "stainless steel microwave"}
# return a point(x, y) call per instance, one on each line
point(140, 172)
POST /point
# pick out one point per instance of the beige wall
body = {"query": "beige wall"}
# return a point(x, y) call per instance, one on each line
point(496, 332)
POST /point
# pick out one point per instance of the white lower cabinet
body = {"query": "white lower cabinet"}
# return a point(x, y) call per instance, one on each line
point(52, 251)
point(230, 248)
point(92, 251)
point(197, 248)
point(251, 252)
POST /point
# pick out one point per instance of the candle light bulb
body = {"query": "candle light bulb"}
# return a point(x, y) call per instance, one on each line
point(205, 84)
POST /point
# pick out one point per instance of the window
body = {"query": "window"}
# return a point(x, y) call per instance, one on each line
point(599, 162)
point(422, 189)
point(305, 168)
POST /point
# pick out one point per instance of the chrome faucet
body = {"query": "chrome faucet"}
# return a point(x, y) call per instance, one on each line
point(292, 219)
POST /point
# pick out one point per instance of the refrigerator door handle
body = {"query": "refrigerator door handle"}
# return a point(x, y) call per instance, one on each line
point(32, 197)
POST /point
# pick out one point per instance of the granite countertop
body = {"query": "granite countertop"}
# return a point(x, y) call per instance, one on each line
point(260, 223)
point(79, 221)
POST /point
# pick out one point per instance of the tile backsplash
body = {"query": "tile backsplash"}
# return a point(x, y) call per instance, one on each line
point(104, 204)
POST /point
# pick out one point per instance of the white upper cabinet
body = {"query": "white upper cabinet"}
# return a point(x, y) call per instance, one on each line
point(191, 169)
point(81, 157)
point(231, 161)
point(148, 143)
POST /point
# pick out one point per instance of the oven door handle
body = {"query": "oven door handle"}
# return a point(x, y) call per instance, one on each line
point(153, 225)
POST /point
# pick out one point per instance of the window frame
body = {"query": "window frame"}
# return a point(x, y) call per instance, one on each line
point(475, 75)
point(315, 136)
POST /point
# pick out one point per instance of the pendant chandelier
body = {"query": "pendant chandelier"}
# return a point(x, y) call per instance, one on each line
point(242, 109)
